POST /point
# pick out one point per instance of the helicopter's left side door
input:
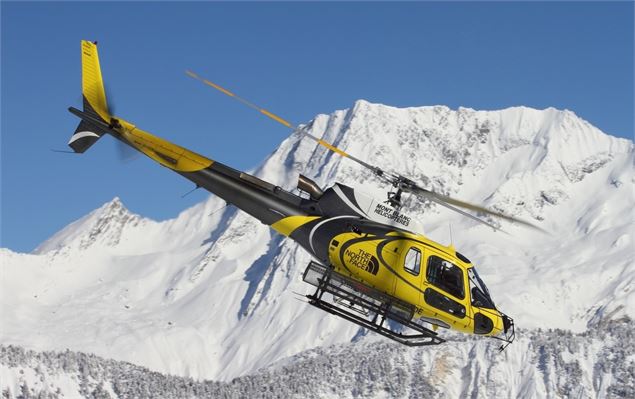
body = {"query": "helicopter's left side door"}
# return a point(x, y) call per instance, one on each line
point(409, 273)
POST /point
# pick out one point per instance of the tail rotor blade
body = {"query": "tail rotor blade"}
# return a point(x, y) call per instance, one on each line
point(110, 101)
point(125, 153)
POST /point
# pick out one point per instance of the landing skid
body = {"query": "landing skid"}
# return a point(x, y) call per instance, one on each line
point(366, 306)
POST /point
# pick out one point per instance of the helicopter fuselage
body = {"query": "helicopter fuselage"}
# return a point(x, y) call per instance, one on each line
point(336, 228)
point(367, 242)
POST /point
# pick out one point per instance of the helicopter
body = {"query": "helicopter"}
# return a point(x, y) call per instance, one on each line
point(369, 265)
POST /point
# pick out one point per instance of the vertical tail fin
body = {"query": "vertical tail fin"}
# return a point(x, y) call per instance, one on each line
point(95, 114)
point(92, 82)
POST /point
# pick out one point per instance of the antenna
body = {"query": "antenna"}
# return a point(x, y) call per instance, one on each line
point(220, 209)
point(191, 191)
point(65, 151)
point(451, 239)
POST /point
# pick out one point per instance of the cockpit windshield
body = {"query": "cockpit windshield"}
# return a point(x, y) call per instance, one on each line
point(480, 293)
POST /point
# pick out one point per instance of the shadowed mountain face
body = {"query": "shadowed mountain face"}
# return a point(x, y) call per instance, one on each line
point(209, 294)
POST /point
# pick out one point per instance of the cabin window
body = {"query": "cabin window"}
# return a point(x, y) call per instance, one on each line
point(412, 263)
point(446, 276)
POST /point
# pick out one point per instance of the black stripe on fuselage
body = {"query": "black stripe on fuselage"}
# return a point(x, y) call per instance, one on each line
point(332, 204)
point(349, 193)
point(318, 245)
point(265, 204)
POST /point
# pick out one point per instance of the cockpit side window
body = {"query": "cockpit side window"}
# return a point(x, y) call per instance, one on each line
point(446, 276)
point(412, 264)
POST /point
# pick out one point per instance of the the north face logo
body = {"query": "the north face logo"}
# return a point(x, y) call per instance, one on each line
point(373, 265)
point(363, 260)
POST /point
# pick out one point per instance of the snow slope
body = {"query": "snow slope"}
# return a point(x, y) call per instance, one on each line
point(210, 294)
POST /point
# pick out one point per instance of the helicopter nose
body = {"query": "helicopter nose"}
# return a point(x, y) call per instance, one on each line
point(508, 323)
point(509, 333)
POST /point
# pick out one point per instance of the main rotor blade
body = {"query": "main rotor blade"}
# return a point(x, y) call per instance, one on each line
point(457, 210)
point(446, 201)
point(288, 124)
point(396, 180)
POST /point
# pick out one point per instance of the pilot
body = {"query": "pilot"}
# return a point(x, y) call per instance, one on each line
point(451, 278)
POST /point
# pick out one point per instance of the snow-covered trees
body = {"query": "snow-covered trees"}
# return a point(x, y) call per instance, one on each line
point(595, 363)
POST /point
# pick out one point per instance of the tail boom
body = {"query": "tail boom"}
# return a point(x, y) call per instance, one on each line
point(270, 204)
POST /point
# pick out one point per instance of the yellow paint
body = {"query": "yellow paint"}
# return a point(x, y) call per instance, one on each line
point(332, 148)
point(217, 87)
point(289, 224)
point(162, 151)
point(384, 280)
point(275, 117)
point(92, 82)
point(167, 154)
point(402, 284)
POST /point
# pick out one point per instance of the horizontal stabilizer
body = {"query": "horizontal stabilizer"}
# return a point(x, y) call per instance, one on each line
point(85, 135)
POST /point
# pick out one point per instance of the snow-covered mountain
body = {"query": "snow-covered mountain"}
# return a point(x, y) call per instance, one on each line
point(210, 294)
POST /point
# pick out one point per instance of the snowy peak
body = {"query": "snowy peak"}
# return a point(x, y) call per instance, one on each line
point(532, 155)
point(509, 127)
point(103, 226)
point(113, 217)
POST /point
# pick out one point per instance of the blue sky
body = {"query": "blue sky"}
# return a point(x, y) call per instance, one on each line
point(296, 59)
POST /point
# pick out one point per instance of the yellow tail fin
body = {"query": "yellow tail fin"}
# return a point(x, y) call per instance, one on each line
point(95, 115)
point(92, 82)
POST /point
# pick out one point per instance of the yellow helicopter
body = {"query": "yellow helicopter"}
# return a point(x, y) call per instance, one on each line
point(369, 266)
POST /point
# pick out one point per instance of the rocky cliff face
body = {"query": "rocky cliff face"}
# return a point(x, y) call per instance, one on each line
point(210, 294)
